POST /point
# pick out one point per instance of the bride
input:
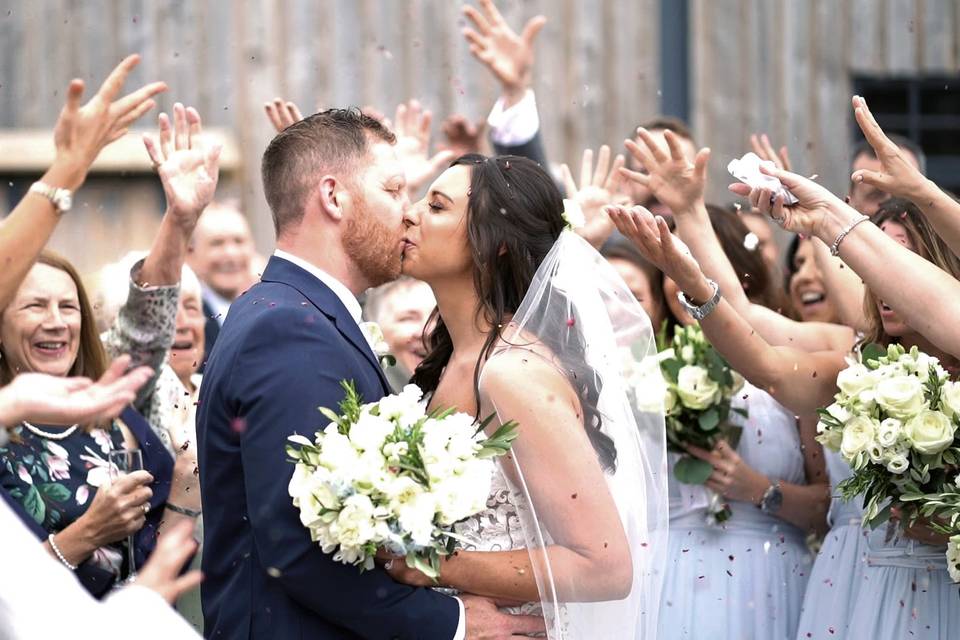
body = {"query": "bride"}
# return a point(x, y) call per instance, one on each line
point(532, 325)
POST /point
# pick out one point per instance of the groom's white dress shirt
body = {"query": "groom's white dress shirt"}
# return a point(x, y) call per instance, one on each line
point(353, 306)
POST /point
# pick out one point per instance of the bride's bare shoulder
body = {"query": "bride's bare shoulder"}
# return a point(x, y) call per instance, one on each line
point(524, 370)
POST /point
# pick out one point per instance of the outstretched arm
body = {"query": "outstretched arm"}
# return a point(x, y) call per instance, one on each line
point(679, 183)
point(81, 132)
point(801, 381)
point(901, 178)
point(928, 301)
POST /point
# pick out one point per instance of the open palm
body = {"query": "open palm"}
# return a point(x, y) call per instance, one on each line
point(187, 163)
point(508, 55)
point(670, 176)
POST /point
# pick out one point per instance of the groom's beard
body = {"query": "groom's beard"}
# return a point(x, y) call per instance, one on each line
point(373, 247)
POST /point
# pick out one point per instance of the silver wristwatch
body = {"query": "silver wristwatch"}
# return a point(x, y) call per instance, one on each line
point(62, 199)
point(772, 499)
point(701, 312)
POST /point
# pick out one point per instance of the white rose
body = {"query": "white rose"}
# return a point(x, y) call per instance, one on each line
point(686, 353)
point(858, 435)
point(889, 432)
point(901, 397)
point(695, 388)
point(930, 432)
point(337, 452)
point(855, 379)
point(400, 491)
point(898, 464)
point(370, 431)
point(950, 398)
point(465, 495)
point(354, 526)
point(953, 557)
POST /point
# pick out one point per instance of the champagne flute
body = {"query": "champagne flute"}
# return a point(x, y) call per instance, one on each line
point(122, 462)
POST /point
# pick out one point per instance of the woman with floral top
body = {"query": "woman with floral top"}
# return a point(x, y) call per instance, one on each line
point(59, 475)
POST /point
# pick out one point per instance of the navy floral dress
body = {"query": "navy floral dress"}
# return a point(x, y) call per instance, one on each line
point(55, 481)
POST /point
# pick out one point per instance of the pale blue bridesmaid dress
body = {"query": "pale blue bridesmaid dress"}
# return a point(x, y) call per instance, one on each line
point(840, 566)
point(744, 579)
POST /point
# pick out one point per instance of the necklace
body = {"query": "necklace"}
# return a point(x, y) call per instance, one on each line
point(52, 436)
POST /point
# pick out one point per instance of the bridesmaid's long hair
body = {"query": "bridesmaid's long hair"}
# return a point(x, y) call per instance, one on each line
point(514, 217)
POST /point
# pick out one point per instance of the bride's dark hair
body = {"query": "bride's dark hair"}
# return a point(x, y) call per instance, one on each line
point(514, 216)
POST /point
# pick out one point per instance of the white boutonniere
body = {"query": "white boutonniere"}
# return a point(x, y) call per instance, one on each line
point(573, 214)
point(378, 344)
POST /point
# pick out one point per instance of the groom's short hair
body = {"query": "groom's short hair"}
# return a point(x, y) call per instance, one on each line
point(331, 141)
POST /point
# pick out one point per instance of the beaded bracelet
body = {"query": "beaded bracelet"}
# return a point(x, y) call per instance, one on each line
point(56, 550)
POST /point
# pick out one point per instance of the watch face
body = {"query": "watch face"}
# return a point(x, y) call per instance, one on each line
point(64, 201)
point(773, 500)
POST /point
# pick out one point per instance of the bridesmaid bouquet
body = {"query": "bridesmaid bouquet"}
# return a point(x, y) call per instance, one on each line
point(700, 385)
point(389, 475)
point(895, 422)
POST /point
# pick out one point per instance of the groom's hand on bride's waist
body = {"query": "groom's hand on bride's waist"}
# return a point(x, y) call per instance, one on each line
point(486, 622)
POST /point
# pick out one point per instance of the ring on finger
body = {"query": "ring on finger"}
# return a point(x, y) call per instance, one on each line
point(146, 508)
point(388, 565)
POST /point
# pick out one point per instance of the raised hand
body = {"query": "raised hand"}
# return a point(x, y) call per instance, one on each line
point(807, 216)
point(188, 164)
point(653, 239)
point(599, 187)
point(508, 56)
point(282, 113)
point(897, 176)
point(462, 135)
point(161, 573)
point(670, 176)
point(762, 147)
point(82, 131)
point(48, 399)
point(412, 128)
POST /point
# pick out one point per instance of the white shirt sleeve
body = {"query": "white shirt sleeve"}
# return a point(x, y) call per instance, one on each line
point(32, 581)
point(516, 125)
point(461, 633)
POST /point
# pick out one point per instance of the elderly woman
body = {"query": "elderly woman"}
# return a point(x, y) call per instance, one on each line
point(58, 474)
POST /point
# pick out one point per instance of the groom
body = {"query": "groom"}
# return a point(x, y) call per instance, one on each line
point(337, 193)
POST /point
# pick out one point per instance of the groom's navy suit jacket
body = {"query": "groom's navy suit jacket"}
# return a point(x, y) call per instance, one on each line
point(281, 354)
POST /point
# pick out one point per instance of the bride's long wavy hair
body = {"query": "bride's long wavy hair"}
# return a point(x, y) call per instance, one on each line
point(514, 216)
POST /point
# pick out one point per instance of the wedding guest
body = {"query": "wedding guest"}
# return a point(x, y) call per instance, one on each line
point(642, 278)
point(220, 254)
point(805, 381)
point(31, 579)
point(56, 473)
point(401, 308)
point(81, 132)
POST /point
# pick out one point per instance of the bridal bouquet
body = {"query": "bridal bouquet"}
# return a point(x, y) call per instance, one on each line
point(895, 422)
point(389, 475)
point(700, 385)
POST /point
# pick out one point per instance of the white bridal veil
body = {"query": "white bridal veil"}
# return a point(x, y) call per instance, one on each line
point(579, 315)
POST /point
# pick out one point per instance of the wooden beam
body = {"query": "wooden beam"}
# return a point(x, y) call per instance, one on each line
point(32, 150)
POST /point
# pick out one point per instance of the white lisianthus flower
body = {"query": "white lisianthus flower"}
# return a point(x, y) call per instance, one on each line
point(416, 518)
point(953, 557)
point(875, 453)
point(901, 397)
point(950, 398)
point(338, 452)
point(855, 379)
point(696, 389)
point(898, 464)
point(858, 435)
point(889, 432)
point(573, 214)
point(930, 432)
point(370, 431)
point(839, 412)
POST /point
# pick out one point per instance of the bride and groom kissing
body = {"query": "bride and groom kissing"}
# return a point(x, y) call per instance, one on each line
point(531, 326)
